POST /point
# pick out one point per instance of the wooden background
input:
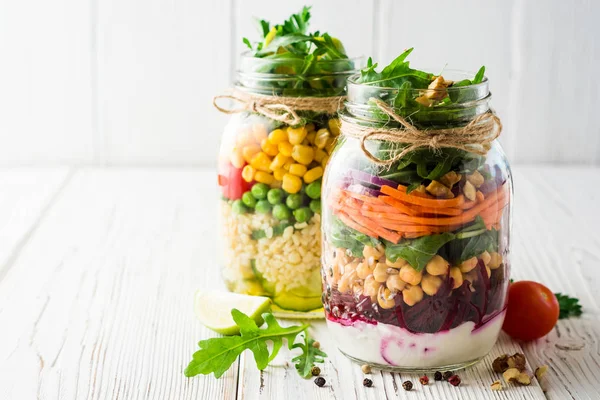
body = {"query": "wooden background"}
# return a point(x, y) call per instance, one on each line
point(130, 82)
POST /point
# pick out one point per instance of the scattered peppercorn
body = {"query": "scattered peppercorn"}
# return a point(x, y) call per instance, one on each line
point(367, 382)
point(447, 375)
point(454, 380)
point(407, 385)
point(437, 376)
point(366, 369)
point(316, 344)
point(424, 380)
point(320, 381)
point(315, 371)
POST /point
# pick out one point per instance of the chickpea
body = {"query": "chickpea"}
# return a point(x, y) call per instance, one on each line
point(495, 261)
point(351, 266)
point(431, 284)
point(346, 281)
point(410, 275)
point(363, 270)
point(340, 257)
point(399, 263)
point(369, 251)
point(437, 266)
point(395, 284)
point(485, 257)
point(385, 298)
point(371, 287)
point(468, 265)
point(412, 295)
point(380, 272)
point(456, 275)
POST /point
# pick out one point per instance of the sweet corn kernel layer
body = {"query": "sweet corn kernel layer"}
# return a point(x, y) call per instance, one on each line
point(289, 260)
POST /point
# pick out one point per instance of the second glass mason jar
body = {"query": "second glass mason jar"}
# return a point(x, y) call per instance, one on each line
point(270, 178)
point(416, 253)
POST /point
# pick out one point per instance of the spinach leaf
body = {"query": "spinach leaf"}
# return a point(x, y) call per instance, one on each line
point(417, 252)
point(348, 238)
point(470, 242)
point(479, 75)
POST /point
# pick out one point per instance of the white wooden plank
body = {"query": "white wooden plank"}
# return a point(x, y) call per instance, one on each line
point(350, 21)
point(99, 302)
point(461, 35)
point(557, 243)
point(159, 65)
point(45, 76)
point(553, 117)
point(25, 194)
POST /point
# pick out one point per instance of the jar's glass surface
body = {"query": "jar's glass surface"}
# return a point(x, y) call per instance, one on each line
point(270, 179)
point(416, 254)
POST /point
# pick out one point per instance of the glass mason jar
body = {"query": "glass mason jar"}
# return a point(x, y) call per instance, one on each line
point(416, 253)
point(270, 179)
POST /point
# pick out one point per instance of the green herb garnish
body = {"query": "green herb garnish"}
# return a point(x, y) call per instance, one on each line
point(309, 357)
point(216, 355)
point(417, 252)
point(306, 58)
point(569, 306)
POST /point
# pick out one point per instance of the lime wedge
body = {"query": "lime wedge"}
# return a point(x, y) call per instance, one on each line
point(213, 309)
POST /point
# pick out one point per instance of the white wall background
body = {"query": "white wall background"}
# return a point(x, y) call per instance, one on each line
point(130, 82)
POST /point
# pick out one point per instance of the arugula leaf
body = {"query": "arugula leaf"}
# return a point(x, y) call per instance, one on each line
point(396, 74)
point(247, 43)
point(309, 357)
point(417, 252)
point(217, 354)
point(569, 306)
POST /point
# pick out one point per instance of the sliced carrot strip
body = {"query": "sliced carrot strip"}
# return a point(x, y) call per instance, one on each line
point(414, 235)
point(350, 222)
point(442, 203)
point(365, 198)
point(398, 205)
point(439, 211)
point(375, 227)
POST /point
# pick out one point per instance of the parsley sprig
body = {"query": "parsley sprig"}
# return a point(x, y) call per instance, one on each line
point(216, 355)
point(569, 306)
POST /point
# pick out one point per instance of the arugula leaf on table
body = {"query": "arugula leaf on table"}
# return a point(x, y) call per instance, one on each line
point(309, 357)
point(417, 252)
point(569, 306)
point(217, 354)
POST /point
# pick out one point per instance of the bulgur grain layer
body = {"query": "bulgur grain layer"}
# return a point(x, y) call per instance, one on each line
point(289, 261)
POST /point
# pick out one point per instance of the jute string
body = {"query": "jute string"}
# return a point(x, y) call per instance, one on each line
point(476, 137)
point(279, 108)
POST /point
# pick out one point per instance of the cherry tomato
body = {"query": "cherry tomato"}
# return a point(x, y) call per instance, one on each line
point(532, 310)
point(231, 182)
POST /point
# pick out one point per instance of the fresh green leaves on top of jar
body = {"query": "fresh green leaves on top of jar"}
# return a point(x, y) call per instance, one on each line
point(310, 63)
point(425, 98)
point(291, 40)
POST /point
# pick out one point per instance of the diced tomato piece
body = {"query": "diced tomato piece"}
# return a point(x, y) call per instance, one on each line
point(231, 181)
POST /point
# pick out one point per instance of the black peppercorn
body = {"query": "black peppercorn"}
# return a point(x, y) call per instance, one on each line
point(367, 382)
point(407, 385)
point(454, 380)
point(437, 376)
point(447, 375)
point(320, 381)
point(315, 371)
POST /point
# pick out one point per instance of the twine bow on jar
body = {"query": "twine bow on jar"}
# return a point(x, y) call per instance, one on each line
point(475, 137)
point(279, 108)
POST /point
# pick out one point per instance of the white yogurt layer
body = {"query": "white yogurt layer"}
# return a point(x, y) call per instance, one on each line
point(391, 345)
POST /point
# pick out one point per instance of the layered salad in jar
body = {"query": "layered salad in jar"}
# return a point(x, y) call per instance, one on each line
point(271, 164)
point(415, 248)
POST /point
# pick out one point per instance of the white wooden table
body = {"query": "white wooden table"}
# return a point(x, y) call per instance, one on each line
point(98, 268)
